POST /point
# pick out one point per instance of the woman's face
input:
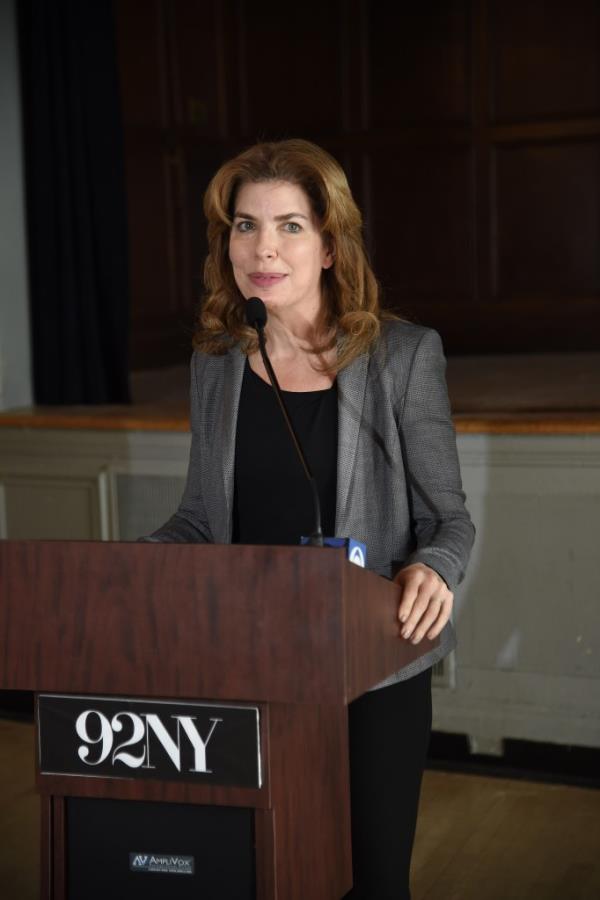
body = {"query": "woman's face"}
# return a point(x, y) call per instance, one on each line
point(276, 249)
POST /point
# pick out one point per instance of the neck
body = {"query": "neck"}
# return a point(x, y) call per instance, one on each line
point(289, 334)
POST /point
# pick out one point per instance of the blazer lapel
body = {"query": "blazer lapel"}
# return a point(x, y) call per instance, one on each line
point(351, 383)
point(224, 459)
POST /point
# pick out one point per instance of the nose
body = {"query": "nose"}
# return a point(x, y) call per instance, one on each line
point(267, 251)
point(266, 246)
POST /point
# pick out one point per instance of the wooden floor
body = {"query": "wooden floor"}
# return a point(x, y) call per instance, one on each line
point(478, 838)
point(19, 814)
point(494, 839)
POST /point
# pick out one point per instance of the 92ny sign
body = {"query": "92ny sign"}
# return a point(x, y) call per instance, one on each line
point(126, 738)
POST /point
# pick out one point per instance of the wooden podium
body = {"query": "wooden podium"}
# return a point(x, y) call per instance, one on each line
point(295, 632)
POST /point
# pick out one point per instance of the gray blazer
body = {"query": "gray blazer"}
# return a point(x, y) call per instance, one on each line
point(398, 479)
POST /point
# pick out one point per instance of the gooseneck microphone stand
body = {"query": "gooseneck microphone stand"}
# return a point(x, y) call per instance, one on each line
point(256, 317)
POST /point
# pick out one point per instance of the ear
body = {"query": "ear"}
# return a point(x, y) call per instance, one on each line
point(328, 257)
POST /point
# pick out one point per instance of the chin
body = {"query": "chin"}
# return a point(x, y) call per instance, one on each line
point(273, 301)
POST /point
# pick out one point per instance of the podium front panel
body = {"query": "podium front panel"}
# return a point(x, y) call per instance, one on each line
point(155, 850)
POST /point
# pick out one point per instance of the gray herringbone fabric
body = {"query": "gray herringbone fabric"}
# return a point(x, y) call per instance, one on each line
point(398, 480)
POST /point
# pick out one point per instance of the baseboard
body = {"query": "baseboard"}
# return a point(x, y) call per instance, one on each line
point(523, 760)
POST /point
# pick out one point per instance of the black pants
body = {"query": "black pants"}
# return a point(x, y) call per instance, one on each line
point(389, 738)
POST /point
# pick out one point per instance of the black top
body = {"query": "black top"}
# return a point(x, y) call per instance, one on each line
point(272, 497)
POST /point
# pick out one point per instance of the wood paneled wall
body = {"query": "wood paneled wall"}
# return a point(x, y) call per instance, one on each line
point(470, 132)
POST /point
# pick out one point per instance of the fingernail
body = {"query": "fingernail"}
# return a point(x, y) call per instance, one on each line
point(406, 632)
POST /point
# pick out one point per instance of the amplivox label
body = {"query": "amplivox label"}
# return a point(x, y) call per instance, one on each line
point(161, 863)
point(126, 738)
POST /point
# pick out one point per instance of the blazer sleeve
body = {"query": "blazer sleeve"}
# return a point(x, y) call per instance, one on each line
point(189, 525)
point(441, 525)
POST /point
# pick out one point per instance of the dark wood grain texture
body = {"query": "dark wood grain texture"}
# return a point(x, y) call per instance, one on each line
point(309, 772)
point(300, 631)
point(184, 621)
point(372, 634)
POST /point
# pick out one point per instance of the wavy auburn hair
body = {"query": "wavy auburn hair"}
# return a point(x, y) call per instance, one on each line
point(350, 290)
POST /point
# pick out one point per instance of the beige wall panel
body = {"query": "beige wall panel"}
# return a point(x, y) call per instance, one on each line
point(52, 508)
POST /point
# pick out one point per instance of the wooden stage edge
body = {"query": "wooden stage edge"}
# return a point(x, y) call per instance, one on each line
point(141, 418)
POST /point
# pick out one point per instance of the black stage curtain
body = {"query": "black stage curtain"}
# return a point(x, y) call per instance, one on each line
point(76, 206)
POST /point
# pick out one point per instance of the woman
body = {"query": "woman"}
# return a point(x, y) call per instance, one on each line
point(367, 396)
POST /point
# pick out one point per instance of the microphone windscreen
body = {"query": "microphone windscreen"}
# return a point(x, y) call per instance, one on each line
point(256, 312)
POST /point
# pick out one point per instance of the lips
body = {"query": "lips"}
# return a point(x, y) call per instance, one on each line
point(266, 279)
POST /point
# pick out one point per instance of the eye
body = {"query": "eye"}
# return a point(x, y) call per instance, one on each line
point(293, 227)
point(244, 226)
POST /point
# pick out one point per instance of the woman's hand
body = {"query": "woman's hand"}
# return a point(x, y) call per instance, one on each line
point(425, 604)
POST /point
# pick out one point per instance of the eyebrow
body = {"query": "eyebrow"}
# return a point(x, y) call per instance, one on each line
point(282, 218)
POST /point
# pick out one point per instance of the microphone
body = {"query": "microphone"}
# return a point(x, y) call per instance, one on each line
point(256, 314)
point(256, 317)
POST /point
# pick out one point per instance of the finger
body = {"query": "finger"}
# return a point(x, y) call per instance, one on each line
point(424, 614)
point(431, 615)
point(410, 590)
point(440, 622)
point(418, 608)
